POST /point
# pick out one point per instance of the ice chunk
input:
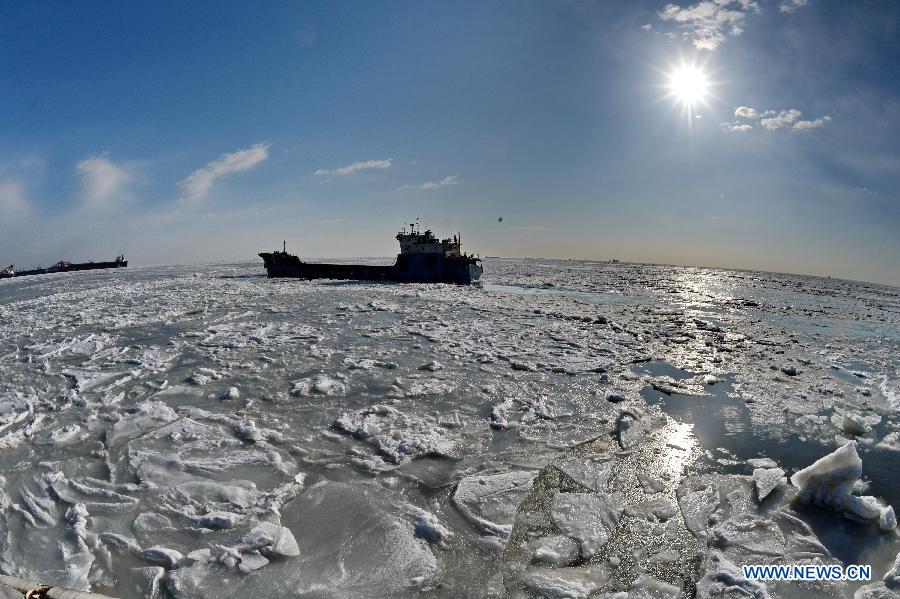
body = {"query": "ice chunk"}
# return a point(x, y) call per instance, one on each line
point(591, 471)
point(829, 480)
point(163, 556)
point(120, 542)
point(321, 384)
point(248, 431)
point(647, 587)
point(724, 579)
point(866, 507)
point(565, 583)
point(711, 379)
point(65, 434)
point(631, 428)
point(766, 479)
point(589, 518)
point(145, 417)
point(659, 509)
point(751, 534)
point(514, 412)
point(854, 424)
point(429, 528)
point(355, 540)
point(273, 539)
point(789, 370)
point(399, 437)
point(152, 578)
point(650, 484)
point(490, 501)
point(762, 463)
point(891, 441)
point(557, 550)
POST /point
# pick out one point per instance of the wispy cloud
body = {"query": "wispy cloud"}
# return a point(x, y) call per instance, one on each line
point(198, 183)
point(792, 5)
point(708, 23)
point(815, 124)
point(736, 127)
point(773, 120)
point(448, 180)
point(101, 179)
point(12, 199)
point(356, 166)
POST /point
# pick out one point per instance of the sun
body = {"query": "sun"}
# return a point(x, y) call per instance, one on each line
point(689, 85)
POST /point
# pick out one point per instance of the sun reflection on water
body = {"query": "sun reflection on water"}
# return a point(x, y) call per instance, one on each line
point(678, 450)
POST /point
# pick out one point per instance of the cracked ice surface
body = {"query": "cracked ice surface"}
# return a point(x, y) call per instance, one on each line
point(207, 432)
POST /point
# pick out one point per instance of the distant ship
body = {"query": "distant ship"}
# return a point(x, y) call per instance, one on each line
point(423, 258)
point(64, 266)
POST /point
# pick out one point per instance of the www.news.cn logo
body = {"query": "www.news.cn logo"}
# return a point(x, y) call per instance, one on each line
point(807, 572)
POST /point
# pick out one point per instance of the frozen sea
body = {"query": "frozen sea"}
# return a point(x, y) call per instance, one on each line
point(562, 429)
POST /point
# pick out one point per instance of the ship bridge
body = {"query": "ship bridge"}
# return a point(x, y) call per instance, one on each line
point(416, 241)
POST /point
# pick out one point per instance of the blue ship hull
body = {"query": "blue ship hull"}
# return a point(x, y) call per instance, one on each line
point(409, 268)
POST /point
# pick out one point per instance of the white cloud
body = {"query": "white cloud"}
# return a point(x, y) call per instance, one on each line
point(736, 127)
point(806, 125)
point(356, 166)
point(779, 119)
point(647, 27)
point(709, 22)
point(198, 183)
point(792, 5)
point(101, 179)
point(12, 199)
point(448, 180)
point(773, 120)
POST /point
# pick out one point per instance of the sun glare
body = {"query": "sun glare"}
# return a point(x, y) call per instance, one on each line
point(689, 85)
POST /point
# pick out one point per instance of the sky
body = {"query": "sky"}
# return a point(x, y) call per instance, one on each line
point(739, 133)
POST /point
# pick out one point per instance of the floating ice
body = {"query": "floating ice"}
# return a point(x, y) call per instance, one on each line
point(515, 412)
point(320, 384)
point(829, 481)
point(854, 424)
point(114, 422)
point(647, 587)
point(565, 583)
point(489, 501)
point(589, 518)
point(766, 479)
point(557, 550)
point(398, 436)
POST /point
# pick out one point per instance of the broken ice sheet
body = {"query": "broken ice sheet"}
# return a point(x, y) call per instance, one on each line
point(160, 479)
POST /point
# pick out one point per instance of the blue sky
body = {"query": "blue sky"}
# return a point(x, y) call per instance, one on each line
point(183, 132)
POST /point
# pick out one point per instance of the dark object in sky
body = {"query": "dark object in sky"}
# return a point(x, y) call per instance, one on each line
point(65, 266)
point(423, 258)
point(500, 220)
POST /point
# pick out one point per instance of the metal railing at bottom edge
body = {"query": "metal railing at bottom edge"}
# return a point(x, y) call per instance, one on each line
point(35, 590)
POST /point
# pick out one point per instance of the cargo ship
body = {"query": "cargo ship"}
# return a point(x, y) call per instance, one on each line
point(423, 258)
point(64, 266)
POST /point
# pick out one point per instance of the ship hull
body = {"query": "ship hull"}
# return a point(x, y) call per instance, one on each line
point(72, 268)
point(408, 269)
